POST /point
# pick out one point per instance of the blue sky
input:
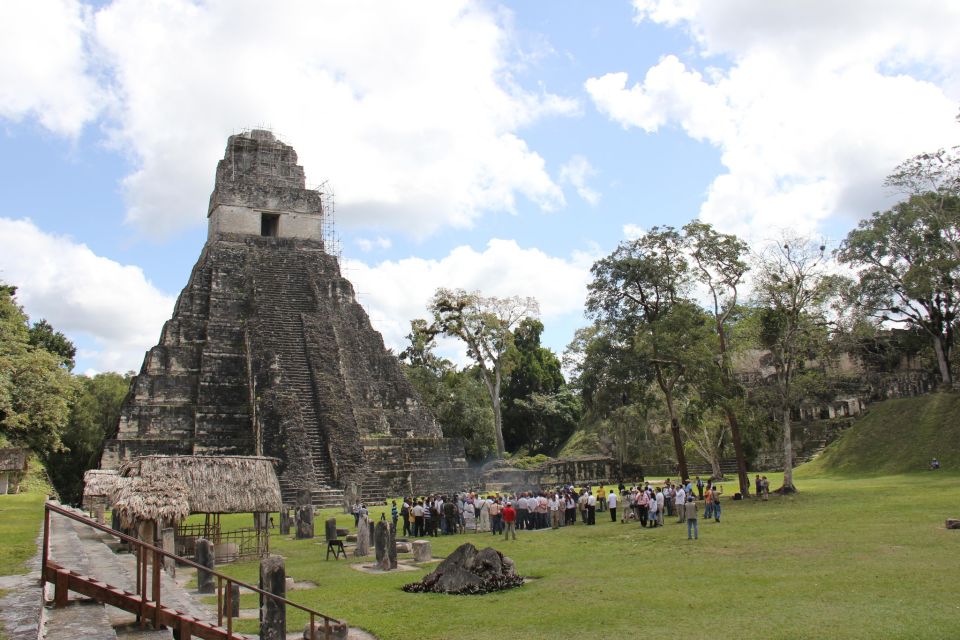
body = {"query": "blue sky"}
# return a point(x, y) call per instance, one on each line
point(499, 147)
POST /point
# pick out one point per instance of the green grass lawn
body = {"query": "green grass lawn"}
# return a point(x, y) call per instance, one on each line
point(844, 558)
point(21, 516)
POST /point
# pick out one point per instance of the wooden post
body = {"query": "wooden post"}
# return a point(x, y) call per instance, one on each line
point(46, 545)
point(231, 601)
point(61, 591)
point(273, 613)
point(157, 561)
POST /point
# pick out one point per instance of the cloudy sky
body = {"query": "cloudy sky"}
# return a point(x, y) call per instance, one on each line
point(500, 147)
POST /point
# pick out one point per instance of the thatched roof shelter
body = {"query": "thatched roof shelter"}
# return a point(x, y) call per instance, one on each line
point(214, 484)
point(13, 459)
point(149, 499)
point(98, 485)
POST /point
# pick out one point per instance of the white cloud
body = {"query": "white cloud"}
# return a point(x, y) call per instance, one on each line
point(369, 244)
point(409, 110)
point(633, 231)
point(43, 70)
point(395, 292)
point(819, 103)
point(83, 294)
point(575, 173)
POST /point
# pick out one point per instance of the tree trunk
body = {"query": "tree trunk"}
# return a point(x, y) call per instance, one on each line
point(498, 424)
point(493, 390)
point(942, 361)
point(787, 453)
point(715, 465)
point(742, 478)
point(677, 440)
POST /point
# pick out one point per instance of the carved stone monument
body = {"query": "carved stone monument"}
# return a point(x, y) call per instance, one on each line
point(363, 538)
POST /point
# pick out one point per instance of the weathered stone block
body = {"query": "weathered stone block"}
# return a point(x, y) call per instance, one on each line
point(205, 557)
point(422, 551)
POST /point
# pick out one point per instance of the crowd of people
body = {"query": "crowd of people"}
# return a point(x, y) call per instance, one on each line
point(496, 513)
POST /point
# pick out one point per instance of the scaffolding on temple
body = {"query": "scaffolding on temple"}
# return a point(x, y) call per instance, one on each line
point(331, 239)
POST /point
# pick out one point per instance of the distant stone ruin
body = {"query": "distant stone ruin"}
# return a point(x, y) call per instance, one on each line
point(269, 353)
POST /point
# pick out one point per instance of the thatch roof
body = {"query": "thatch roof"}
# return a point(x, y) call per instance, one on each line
point(13, 459)
point(99, 483)
point(215, 484)
point(141, 499)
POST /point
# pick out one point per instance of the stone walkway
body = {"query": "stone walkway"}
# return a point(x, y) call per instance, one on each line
point(83, 549)
point(21, 610)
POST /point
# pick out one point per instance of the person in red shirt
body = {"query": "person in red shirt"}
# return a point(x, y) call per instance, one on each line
point(509, 517)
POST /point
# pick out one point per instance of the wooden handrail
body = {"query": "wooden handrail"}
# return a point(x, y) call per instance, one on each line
point(158, 553)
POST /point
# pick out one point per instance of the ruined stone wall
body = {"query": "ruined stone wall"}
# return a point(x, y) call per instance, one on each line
point(415, 466)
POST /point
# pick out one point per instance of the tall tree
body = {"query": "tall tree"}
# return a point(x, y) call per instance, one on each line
point(35, 390)
point(932, 182)
point(909, 268)
point(640, 285)
point(532, 409)
point(793, 289)
point(45, 337)
point(719, 264)
point(458, 399)
point(93, 417)
point(485, 325)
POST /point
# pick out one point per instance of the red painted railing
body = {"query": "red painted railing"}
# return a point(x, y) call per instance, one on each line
point(149, 606)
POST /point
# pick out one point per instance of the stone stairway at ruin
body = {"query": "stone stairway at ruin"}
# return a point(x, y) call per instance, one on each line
point(283, 294)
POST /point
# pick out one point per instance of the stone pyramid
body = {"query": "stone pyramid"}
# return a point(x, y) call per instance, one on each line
point(269, 353)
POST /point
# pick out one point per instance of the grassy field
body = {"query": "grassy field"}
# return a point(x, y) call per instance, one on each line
point(20, 518)
point(860, 552)
point(845, 558)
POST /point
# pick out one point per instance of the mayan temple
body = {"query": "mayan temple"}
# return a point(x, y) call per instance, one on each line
point(269, 353)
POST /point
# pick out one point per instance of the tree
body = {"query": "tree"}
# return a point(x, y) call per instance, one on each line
point(932, 182)
point(485, 325)
point(44, 336)
point(93, 417)
point(35, 390)
point(793, 290)
point(720, 265)
point(640, 286)
point(909, 268)
point(458, 399)
point(614, 386)
point(536, 415)
point(706, 431)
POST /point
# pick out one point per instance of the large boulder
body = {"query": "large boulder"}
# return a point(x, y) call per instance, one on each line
point(469, 571)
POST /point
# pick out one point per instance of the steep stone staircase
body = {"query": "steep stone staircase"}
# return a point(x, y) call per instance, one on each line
point(283, 295)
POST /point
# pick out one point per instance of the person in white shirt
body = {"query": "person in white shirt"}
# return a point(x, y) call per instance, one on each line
point(522, 506)
point(553, 506)
point(591, 508)
point(612, 505)
point(660, 506)
point(679, 501)
point(653, 510)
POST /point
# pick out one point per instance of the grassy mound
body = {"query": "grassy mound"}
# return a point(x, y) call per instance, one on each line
point(896, 436)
